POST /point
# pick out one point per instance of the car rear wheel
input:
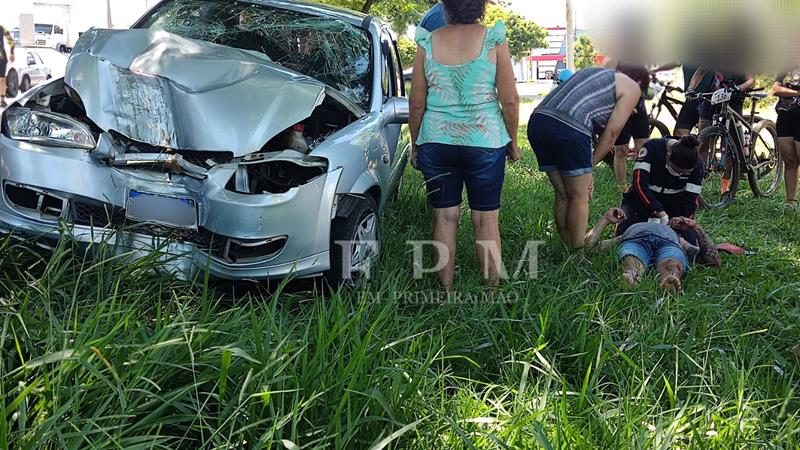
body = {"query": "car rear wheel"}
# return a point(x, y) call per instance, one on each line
point(12, 84)
point(355, 240)
point(25, 85)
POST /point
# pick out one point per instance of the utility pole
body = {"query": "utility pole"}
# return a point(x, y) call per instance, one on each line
point(108, 14)
point(570, 36)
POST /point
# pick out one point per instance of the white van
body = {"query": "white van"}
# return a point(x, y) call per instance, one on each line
point(52, 36)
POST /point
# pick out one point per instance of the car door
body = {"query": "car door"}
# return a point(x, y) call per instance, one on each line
point(393, 88)
point(34, 69)
point(44, 71)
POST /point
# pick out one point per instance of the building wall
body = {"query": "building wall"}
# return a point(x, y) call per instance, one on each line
point(75, 16)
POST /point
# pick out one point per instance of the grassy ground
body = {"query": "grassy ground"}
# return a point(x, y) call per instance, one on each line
point(101, 354)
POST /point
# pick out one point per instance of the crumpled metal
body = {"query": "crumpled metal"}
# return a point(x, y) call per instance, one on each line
point(167, 91)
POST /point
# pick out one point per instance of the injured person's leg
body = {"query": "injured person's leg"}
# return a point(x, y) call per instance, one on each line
point(633, 270)
point(670, 272)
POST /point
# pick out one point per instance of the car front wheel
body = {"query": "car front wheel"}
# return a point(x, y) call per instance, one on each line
point(355, 240)
point(25, 85)
point(12, 84)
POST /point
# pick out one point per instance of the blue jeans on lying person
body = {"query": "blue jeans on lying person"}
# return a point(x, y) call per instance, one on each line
point(653, 250)
point(448, 168)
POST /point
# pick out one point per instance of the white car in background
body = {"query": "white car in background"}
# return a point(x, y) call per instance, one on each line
point(27, 71)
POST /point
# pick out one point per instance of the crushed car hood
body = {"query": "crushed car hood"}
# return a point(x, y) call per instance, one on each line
point(168, 91)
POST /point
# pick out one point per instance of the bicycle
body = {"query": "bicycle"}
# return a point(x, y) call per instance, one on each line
point(663, 100)
point(732, 143)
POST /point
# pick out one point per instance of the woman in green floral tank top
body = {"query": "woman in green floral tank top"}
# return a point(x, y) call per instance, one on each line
point(464, 121)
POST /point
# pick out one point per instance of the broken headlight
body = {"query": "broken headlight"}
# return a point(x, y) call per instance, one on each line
point(24, 124)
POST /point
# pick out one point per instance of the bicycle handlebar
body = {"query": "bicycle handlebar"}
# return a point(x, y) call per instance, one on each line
point(752, 93)
point(667, 86)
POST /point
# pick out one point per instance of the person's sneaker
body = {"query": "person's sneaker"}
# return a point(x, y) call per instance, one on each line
point(3, 103)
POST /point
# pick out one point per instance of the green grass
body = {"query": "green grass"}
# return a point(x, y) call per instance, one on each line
point(98, 353)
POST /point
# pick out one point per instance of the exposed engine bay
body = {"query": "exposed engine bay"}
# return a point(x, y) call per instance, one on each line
point(282, 164)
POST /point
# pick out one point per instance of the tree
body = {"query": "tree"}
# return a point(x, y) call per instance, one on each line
point(408, 51)
point(523, 34)
point(585, 53)
point(400, 13)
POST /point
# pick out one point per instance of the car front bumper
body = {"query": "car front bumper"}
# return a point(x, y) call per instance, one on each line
point(296, 224)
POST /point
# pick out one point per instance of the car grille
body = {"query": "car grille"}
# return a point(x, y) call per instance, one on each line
point(41, 42)
point(103, 215)
point(97, 214)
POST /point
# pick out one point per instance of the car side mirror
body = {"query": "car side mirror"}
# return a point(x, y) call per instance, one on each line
point(395, 111)
point(31, 62)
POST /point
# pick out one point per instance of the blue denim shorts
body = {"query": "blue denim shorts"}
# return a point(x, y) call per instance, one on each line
point(559, 147)
point(652, 250)
point(448, 168)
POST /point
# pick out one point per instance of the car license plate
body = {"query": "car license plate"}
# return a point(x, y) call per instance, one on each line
point(180, 212)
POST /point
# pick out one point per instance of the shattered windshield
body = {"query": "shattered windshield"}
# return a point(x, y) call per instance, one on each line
point(334, 52)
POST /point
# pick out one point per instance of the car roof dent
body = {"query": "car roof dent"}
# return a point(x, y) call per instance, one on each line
point(168, 91)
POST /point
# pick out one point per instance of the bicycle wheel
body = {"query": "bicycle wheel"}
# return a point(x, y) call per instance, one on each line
point(721, 163)
point(658, 129)
point(765, 160)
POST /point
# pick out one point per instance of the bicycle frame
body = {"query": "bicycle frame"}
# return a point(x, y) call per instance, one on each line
point(665, 101)
point(731, 120)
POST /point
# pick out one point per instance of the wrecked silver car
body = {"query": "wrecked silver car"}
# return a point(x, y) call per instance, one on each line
point(254, 139)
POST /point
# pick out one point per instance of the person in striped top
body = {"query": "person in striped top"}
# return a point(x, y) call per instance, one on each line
point(560, 133)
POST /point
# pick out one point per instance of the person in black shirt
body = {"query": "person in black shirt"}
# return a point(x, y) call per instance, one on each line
point(743, 83)
point(5, 58)
point(667, 182)
point(721, 80)
point(787, 88)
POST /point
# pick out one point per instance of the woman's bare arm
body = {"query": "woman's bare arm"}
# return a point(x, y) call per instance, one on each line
point(418, 101)
point(779, 90)
point(508, 96)
point(698, 76)
point(507, 90)
point(628, 95)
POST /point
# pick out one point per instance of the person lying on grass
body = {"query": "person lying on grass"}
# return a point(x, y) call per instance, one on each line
point(648, 245)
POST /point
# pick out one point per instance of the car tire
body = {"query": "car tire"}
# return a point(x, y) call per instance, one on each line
point(12, 84)
point(25, 85)
point(355, 240)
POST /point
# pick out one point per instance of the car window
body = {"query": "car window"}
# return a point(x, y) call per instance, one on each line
point(334, 52)
point(391, 73)
point(386, 73)
point(397, 69)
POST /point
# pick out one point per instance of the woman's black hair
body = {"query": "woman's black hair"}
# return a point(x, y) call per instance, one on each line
point(639, 74)
point(464, 12)
point(685, 154)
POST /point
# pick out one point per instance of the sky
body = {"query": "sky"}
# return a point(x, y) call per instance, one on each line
point(549, 13)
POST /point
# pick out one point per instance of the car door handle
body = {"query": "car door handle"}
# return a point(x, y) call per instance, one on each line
point(386, 158)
